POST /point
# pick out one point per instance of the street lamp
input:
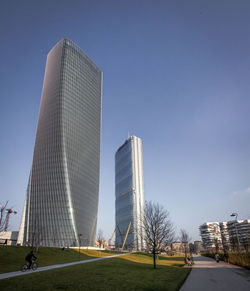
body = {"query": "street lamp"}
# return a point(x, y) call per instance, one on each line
point(236, 230)
point(79, 239)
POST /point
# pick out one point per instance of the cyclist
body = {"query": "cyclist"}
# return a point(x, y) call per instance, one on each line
point(29, 257)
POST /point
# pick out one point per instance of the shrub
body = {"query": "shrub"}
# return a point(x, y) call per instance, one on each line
point(240, 259)
point(209, 255)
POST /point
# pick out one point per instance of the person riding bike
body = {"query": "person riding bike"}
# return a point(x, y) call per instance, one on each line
point(29, 257)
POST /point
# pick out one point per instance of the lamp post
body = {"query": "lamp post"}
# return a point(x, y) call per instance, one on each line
point(79, 239)
point(236, 230)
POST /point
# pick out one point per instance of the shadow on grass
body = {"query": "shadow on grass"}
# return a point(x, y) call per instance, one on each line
point(109, 274)
point(180, 259)
point(15, 257)
point(162, 257)
point(148, 260)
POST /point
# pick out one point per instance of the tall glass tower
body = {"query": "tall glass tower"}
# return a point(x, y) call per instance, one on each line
point(129, 193)
point(62, 196)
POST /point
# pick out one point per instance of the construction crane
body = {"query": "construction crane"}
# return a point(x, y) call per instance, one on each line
point(109, 242)
point(126, 236)
point(5, 217)
point(9, 211)
point(116, 228)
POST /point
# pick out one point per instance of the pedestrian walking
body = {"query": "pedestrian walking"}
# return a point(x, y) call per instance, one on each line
point(192, 260)
point(217, 257)
point(226, 257)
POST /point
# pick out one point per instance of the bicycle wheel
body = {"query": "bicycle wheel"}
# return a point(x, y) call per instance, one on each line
point(34, 266)
point(24, 268)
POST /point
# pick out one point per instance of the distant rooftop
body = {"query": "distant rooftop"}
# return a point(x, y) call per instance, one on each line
point(69, 42)
point(127, 140)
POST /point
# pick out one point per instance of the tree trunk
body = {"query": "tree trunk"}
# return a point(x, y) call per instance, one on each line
point(154, 260)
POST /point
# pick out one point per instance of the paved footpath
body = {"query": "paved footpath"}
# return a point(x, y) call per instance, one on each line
point(20, 273)
point(207, 275)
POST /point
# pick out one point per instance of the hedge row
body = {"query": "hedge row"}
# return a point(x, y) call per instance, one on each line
point(240, 259)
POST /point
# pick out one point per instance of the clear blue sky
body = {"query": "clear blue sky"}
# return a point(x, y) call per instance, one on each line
point(176, 74)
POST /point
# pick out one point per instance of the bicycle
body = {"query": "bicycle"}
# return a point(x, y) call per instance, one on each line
point(33, 266)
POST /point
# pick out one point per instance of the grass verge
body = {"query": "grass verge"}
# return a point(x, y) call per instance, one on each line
point(13, 257)
point(161, 260)
point(129, 272)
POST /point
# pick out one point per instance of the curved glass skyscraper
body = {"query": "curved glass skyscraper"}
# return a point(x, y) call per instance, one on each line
point(129, 194)
point(62, 196)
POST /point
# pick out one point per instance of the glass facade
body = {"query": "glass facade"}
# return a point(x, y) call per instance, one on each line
point(129, 193)
point(62, 197)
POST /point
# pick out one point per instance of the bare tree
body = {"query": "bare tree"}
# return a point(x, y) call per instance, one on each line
point(100, 238)
point(185, 239)
point(157, 228)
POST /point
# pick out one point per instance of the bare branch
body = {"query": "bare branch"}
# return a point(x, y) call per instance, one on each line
point(100, 239)
point(184, 236)
point(185, 239)
point(157, 228)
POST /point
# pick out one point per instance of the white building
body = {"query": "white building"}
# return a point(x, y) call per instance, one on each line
point(230, 236)
point(225, 236)
point(129, 193)
point(239, 234)
point(8, 238)
point(211, 235)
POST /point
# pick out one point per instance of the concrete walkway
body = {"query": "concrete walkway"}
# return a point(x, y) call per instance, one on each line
point(20, 273)
point(208, 275)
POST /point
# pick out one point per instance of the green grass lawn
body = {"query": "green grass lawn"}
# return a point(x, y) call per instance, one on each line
point(129, 272)
point(161, 260)
point(12, 257)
